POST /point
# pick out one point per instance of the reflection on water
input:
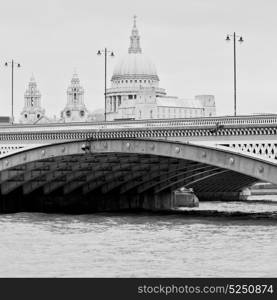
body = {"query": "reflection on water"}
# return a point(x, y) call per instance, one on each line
point(140, 245)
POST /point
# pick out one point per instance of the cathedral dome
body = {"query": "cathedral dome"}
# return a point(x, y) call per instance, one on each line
point(135, 64)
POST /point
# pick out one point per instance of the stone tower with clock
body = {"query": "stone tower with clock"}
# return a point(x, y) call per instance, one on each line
point(75, 109)
point(32, 111)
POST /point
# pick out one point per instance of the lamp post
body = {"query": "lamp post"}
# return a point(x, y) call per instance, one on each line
point(12, 63)
point(105, 52)
point(240, 39)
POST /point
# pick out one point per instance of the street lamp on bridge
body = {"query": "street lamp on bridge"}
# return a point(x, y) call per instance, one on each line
point(105, 52)
point(240, 39)
point(12, 64)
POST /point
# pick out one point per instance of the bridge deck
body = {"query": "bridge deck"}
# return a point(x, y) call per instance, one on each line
point(238, 121)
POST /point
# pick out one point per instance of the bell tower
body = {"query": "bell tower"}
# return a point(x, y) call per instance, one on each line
point(75, 110)
point(32, 111)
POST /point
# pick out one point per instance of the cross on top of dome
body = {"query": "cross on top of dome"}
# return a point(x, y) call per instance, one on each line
point(134, 39)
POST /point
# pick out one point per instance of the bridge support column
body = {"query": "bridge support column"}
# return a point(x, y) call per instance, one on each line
point(132, 202)
point(11, 204)
point(87, 203)
point(163, 201)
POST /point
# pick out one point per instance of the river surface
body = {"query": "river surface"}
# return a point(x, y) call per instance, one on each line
point(236, 242)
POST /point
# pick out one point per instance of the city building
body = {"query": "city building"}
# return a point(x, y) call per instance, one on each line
point(135, 91)
point(134, 94)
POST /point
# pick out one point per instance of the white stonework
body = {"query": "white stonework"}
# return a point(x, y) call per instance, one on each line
point(33, 112)
point(75, 110)
point(135, 92)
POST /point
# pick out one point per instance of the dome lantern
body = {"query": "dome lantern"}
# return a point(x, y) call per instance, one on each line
point(134, 39)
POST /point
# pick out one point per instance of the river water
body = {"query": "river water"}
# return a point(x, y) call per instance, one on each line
point(217, 239)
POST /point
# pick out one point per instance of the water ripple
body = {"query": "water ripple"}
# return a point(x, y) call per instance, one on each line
point(217, 239)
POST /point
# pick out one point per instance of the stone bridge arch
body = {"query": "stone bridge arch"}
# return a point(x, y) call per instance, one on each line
point(126, 169)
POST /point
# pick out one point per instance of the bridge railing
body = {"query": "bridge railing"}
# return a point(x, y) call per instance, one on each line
point(269, 119)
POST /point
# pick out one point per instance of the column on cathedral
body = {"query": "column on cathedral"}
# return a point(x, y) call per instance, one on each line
point(107, 104)
point(114, 103)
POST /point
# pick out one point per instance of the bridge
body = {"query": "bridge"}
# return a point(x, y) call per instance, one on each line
point(133, 164)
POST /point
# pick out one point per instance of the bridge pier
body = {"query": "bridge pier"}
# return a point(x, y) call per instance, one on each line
point(130, 202)
point(11, 204)
point(147, 201)
point(94, 202)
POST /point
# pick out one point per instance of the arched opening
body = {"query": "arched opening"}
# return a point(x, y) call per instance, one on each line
point(112, 170)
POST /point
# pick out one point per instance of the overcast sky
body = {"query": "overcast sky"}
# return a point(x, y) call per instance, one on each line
point(184, 38)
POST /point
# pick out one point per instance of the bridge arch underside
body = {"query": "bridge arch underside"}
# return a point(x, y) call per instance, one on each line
point(116, 175)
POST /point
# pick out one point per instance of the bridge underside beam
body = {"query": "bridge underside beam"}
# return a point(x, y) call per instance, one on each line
point(120, 173)
point(227, 187)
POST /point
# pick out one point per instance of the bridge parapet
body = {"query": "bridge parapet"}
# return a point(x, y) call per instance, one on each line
point(238, 121)
point(252, 133)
